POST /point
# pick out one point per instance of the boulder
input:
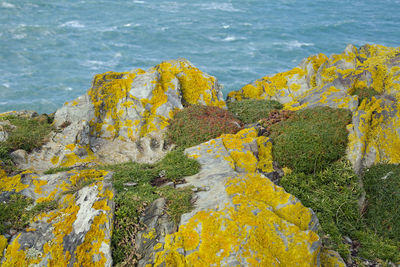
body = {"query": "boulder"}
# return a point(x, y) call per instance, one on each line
point(240, 218)
point(123, 116)
point(365, 81)
point(77, 232)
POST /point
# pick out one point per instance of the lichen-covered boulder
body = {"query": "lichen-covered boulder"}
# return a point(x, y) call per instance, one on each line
point(375, 133)
point(76, 233)
point(240, 218)
point(333, 81)
point(123, 115)
point(365, 81)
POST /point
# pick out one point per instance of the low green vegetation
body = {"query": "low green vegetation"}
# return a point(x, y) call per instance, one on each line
point(15, 212)
point(333, 195)
point(364, 93)
point(311, 139)
point(58, 169)
point(194, 125)
point(135, 186)
point(382, 187)
point(27, 134)
point(252, 110)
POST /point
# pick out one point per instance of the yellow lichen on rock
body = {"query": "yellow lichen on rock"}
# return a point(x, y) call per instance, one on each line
point(3, 245)
point(11, 183)
point(92, 244)
point(371, 66)
point(374, 135)
point(252, 231)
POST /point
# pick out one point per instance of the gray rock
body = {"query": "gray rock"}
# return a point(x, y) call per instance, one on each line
point(19, 157)
point(157, 225)
point(124, 115)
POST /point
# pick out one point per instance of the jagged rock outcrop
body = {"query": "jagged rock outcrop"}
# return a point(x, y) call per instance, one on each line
point(240, 217)
point(76, 233)
point(336, 82)
point(123, 116)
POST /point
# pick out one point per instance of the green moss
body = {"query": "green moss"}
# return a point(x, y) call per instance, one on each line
point(13, 213)
point(197, 124)
point(311, 139)
point(333, 195)
point(131, 201)
point(382, 187)
point(252, 110)
point(58, 169)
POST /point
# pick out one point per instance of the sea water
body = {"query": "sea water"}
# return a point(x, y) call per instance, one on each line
point(50, 50)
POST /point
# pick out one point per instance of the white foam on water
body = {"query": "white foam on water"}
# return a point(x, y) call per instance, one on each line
point(233, 38)
point(138, 2)
point(293, 44)
point(73, 24)
point(7, 5)
point(228, 7)
point(226, 26)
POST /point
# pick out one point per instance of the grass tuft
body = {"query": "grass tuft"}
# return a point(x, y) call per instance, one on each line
point(311, 139)
point(252, 110)
point(333, 195)
point(30, 133)
point(131, 201)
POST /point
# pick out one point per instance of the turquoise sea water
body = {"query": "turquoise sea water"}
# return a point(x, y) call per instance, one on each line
point(50, 50)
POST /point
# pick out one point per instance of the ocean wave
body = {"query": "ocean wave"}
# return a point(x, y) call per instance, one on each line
point(138, 2)
point(132, 25)
point(226, 26)
point(7, 5)
point(19, 36)
point(228, 7)
point(73, 24)
point(293, 44)
point(233, 38)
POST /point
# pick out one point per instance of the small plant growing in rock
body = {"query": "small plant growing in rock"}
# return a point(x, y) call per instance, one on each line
point(133, 183)
point(252, 110)
point(310, 140)
point(197, 124)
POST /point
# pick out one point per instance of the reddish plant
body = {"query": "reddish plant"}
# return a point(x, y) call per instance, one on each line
point(194, 125)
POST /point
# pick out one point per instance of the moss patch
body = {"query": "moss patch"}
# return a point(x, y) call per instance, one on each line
point(131, 200)
point(311, 139)
point(333, 195)
point(252, 110)
point(197, 124)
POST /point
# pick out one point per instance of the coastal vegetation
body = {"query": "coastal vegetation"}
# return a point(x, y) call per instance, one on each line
point(311, 139)
point(252, 110)
point(137, 186)
point(23, 133)
point(197, 124)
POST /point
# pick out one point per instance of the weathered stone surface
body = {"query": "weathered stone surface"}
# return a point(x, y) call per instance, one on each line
point(158, 224)
point(375, 133)
point(243, 219)
point(19, 157)
point(124, 115)
point(323, 81)
point(77, 232)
